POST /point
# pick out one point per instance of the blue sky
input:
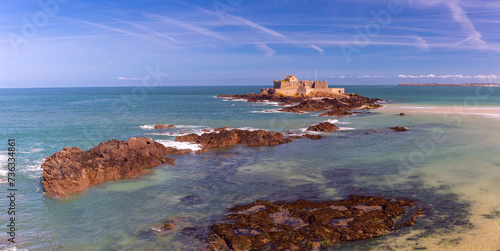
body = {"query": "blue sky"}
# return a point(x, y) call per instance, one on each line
point(60, 43)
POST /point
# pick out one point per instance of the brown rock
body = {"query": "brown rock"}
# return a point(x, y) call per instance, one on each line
point(302, 225)
point(313, 136)
point(401, 114)
point(399, 129)
point(164, 126)
point(337, 113)
point(323, 127)
point(73, 170)
point(222, 137)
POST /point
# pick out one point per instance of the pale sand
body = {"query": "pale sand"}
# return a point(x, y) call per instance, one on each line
point(491, 112)
point(483, 192)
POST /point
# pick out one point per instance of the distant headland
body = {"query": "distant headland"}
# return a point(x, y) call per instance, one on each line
point(467, 84)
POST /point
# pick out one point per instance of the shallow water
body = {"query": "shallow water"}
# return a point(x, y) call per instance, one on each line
point(449, 162)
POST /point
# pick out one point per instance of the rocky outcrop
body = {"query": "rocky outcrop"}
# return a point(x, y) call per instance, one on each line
point(399, 129)
point(336, 113)
point(323, 127)
point(336, 103)
point(164, 126)
point(401, 114)
point(305, 225)
point(72, 170)
point(225, 137)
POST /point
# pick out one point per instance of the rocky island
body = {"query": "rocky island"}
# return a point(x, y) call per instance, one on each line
point(309, 96)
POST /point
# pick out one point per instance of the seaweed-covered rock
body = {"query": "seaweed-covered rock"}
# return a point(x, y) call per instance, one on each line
point(304, 225)
point(399, 129)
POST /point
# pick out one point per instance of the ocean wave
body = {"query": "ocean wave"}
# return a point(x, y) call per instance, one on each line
point(344, 123)
point(180, 145)
point(267, 111)
point(346, 128)
point(34, 171)
point(3, 167)
point(235, 99)
point(333, 121)
point(3, 159)
point(245, 128)
point(147, 127)
point(152, 127)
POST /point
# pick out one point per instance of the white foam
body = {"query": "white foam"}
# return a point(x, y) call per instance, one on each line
point(189, 126)
point(344, 123)
point(147, 127)
point(267, 102)
point(180, 145)
point(245, 128)
point(3, 159)
point(346, 128)
point(333, 121)
point(267, 111)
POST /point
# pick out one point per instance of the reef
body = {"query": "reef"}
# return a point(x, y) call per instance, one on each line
point(306, 225)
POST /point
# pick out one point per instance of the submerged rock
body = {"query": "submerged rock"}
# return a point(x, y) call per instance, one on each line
point(73, 170)
point(323, 127)
point(224, 137)
point(399, 129)
point(304, 225)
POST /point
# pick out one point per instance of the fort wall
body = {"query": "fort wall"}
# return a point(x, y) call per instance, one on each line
point(291, 86)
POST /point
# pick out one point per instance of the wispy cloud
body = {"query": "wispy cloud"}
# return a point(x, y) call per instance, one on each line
point(135, 79)
point(473, 36)
point(145, 36)
point(321, 51)
point(265, 49)
point(148, 30)
point(459, 15)
point(188, 26)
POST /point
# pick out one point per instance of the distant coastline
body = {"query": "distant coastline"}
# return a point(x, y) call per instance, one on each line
point(467, 84)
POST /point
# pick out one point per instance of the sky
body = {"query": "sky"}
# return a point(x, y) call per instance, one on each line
point(72, 43)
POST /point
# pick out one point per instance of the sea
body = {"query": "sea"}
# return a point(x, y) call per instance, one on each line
point(448, 162)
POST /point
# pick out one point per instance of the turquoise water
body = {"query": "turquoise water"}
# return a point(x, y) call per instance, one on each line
point(448, 162)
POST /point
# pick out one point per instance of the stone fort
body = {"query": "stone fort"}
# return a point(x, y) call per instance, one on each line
point(291, 86)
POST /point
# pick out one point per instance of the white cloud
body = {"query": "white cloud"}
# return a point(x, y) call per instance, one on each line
point(422, 44)
point(456, 76)
point(126, 78)
point(265, 49)
point(188, 26)
point(460, 16)
point(321, 51)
